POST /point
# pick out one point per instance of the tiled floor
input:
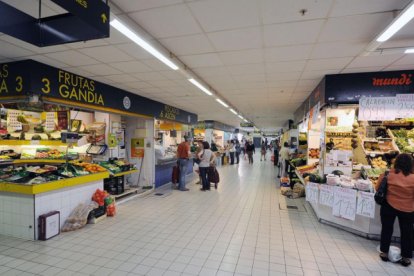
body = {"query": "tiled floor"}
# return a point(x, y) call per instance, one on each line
point(237, 230)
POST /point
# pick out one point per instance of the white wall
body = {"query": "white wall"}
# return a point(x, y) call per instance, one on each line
point(147, 177)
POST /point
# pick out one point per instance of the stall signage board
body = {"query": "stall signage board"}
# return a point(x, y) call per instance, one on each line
point(349, 88)
point(366, 204)
point(326, 195)
point(31, 77)
point(344, 204)
point(312, 192)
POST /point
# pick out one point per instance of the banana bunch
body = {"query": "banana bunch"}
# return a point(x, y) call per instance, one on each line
point(22, 119)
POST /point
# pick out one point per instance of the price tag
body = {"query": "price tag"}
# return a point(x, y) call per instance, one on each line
point(344, 204)
point(377, 108)
point(312, 192)
point(326, 195)
point(366, 205)
point(405, 105)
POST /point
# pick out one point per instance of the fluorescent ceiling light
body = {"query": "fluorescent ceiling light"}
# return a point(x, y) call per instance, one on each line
point(202, 88)
point(245, 120)
point(135, 38)
point(403, 18)
point(409, 51)
point(222, 103)
point(240, 116)
point(234, 111)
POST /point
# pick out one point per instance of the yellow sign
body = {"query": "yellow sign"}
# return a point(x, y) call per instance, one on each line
point(137, 147)
point(73, 87)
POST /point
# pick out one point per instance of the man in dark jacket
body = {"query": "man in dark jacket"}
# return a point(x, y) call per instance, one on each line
point(250, 150)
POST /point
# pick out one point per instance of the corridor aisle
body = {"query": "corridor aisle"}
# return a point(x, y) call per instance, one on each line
point(240, 229)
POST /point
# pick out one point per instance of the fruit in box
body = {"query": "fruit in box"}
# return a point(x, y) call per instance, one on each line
point(314, 153)
point(378, 162)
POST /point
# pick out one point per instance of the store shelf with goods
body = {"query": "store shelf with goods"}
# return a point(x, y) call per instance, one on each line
point(51, 186)
point(126, 173)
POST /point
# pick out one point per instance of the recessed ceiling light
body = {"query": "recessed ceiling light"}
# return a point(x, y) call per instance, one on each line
point(201, 87)
point(138, 40)
point(222, 103)
point(402, 19)
point(234, 111)
point(409, 51)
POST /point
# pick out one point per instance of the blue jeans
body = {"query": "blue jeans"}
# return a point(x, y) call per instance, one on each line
point(183, 171)
point(204, 178)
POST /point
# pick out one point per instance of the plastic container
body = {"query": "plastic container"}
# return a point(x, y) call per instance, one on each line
point(332, 179)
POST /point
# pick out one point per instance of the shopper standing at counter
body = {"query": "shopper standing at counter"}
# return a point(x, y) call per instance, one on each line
point(399, 203)
point(206, 160)
point(183, 155)
point(284, 159)
point(232, 151)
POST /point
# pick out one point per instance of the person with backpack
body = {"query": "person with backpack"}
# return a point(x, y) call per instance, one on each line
point(399, 204)
point(238, 151)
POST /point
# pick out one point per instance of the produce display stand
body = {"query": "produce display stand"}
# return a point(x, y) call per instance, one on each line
point(23, 204)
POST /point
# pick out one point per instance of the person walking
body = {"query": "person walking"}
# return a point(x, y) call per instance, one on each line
point(250, 150)
point(263, 151)
point(238, 151)
point(284, 154)
point(243, 147)
point(276, 153)
point(207, 158)
point(399, 203)
point(232, 151)
point(183, 155)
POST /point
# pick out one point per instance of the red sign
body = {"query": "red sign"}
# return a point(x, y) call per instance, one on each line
point(405, 79)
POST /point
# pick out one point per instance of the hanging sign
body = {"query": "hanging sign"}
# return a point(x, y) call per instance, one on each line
point(377, 109)
point(312, 192)
point(366, 204)
point(344, 204)
point(326, 195)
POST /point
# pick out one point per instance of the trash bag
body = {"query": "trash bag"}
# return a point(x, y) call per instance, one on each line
point(299, 190)
point(79, 216)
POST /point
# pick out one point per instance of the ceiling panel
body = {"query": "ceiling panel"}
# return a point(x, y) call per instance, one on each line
point(350, 7)
point(278, 11)
point(168, 21)
point(105, 54)
point(337, 49)
point(203, 60)
point(131, 66)
point(72, 58)
point(327, 64)
point(188, 45)
point(242, 57)
point(355, 28)
point(137, 5)
point(240, 39)
point(292, 33)
point(219, 15)
point(374, 61)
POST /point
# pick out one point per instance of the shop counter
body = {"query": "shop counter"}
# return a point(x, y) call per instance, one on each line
point(23, 204)
point(163, 171)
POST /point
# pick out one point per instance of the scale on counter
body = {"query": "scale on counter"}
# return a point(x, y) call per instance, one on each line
point(96, 149)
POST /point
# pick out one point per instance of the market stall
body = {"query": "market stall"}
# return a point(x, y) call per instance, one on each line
point(365, 121)
point(169, 135)
point(67, 139)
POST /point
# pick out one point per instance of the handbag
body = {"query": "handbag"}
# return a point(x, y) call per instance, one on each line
point(380, 196)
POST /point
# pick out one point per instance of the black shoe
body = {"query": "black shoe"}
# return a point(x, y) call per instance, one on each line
point(202, 189)
point(215, 185)
point(184, 190)
point(384, 257)
point(405, 261)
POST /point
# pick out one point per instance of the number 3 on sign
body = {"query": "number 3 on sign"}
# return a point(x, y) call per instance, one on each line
point(46, 87)
point(19, 84)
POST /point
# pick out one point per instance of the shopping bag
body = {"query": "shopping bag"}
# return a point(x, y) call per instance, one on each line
point(213, 175)
point(175, 175)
